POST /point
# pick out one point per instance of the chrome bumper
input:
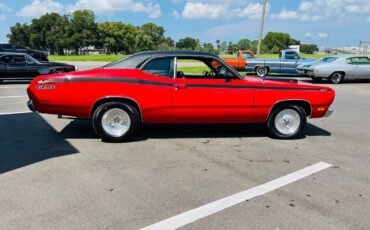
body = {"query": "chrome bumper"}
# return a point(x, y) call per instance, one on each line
point(30, 106)
point(329, 111)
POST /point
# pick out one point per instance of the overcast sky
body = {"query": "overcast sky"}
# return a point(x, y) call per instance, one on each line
point(329, 23)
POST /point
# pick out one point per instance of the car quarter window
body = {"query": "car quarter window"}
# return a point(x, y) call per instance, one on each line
point(360, 60)
point(349, 61)
point(202, 68)
point(160, 67)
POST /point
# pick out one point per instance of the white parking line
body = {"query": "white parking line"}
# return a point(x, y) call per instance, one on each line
point(5, 97)
point(219, 205)
point(13, 87)
point(15, 113)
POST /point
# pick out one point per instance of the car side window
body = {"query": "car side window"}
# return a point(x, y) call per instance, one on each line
point(204, 68)
point(6, 59)
point(290, 55)
point(18, 60)
point(160, 67)
point(247, 55)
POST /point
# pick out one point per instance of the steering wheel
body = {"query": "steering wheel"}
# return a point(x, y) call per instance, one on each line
point(180, 74)
point(210, 74)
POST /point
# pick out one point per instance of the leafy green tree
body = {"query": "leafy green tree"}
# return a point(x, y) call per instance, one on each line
point(254, 45)
point(117, 37)
point(276, 41)
point(232, 48)
point(82, 30)
point(309, 48)
point(167, 44)
point(187, 43)
point(19, 34)
point(244, 44)
point(155, 32)
point(49, 32)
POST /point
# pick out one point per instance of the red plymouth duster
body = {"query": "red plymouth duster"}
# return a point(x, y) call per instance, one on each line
point(148, 87)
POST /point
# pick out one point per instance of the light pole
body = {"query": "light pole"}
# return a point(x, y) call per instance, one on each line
point(261, 27)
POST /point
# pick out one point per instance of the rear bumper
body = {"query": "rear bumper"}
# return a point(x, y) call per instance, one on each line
point(329, 111)
point(31, 106)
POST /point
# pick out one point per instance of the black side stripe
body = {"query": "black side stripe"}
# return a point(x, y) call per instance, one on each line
point(146, 82)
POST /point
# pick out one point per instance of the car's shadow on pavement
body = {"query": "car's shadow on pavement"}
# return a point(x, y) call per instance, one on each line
point(27, 139)
point(82, 129)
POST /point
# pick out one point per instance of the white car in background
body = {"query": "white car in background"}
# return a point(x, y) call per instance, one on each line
point(337, 68)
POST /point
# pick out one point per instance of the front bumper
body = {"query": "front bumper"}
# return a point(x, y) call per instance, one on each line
point(30, 106)
point(305, 72)
point(329, 111)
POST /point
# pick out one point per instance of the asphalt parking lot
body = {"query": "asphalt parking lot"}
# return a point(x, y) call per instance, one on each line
point(57, 174)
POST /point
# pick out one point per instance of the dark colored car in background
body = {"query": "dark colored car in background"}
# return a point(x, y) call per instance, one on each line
point(37, 54)
point(18, 66)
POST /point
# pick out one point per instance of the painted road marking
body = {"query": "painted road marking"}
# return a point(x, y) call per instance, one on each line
point(15, 113)
point(227, 202)
point(13, 87)
point(5, 97)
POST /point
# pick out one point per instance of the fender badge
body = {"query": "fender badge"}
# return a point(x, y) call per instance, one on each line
point(50, 87)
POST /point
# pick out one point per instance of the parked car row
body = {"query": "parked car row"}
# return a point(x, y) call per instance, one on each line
point(337, 68)
point(333, 68)
point(13, 48)
point(21, 66)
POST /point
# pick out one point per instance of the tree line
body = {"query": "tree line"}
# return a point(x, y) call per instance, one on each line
point(73, 32)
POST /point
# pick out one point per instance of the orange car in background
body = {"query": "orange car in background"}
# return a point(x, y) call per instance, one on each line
point(240, 62)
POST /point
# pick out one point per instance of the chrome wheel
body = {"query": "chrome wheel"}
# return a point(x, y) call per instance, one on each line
point(337, 78)
point(261, 71)
point(287, 121)
point(116, 122)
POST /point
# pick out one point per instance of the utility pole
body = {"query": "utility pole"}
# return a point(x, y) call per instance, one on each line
point(261, 27)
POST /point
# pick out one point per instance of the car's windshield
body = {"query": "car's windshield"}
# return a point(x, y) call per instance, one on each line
point(328, 59)
point(31, 60)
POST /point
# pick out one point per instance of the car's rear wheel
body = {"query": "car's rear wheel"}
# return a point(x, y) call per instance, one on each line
point(116, 121)
point(261, 71)
point(336, 78)
point(287, 122)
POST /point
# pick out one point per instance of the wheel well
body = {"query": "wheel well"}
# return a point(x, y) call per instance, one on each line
point(304, 104)
point(344, 74)
point(268, 68)
point(115, 99)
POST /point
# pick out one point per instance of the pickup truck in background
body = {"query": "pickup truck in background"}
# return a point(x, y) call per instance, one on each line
point(286, 64)
point(240, 61)
point(13, 48)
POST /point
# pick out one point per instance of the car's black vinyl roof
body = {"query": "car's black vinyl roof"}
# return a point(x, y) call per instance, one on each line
point(174, 53)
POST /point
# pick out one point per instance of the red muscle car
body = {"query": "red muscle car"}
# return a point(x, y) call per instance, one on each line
point(148, 88)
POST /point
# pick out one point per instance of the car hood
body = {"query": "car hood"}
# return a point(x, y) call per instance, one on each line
point(54, 64)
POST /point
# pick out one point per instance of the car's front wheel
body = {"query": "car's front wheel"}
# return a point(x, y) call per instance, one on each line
point(287, 122)
point(116, 121)
point(336, 78)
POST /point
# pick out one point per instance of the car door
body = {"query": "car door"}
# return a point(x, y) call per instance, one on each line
point(16, 67)
point(219, 96)
point(3, 72)
point(289, 62)
point(156, 90)
point(362, 67)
